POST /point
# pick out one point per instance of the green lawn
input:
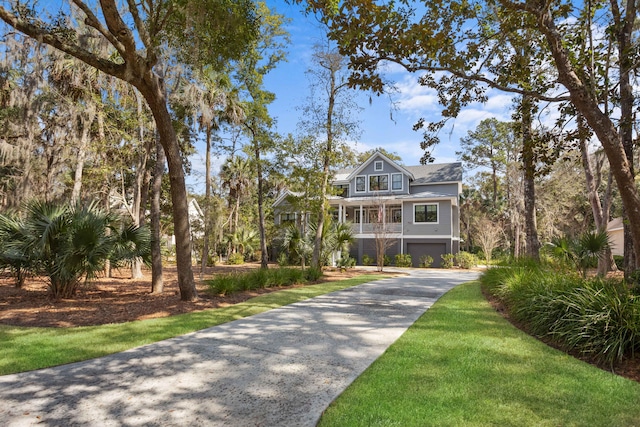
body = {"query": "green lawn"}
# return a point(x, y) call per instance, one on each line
point(25, 349)
point(462, 364)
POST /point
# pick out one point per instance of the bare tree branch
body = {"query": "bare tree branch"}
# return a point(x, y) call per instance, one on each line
point(92, 21)
point(44, 36)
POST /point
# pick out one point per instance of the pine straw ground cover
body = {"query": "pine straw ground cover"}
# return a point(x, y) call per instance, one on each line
point(120, 299)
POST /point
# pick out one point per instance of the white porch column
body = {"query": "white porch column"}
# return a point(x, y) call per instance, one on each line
point(361, 219)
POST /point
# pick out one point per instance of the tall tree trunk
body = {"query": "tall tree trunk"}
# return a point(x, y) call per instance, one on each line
point(137, 209)
point(326, 162)
point(207, 203)
point(264, 256)
point(154, 95)
point(604, 262)
point(157, 280)
point(528, 163)
point(82, 154)
point(624, 26)
point(599, 122)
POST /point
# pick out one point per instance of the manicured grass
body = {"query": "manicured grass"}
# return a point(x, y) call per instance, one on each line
point(25, 349)
point(462, 364)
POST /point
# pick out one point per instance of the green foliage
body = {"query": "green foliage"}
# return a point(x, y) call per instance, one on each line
point(235, 259)
point(475, 369)
point(212, 38)
point(346, 261)
point(313, 274)
point(283, 259)
point(583, 251)
point(261, 278)
point(69, 244)
point(619, 260)
point(596, 318)
point(367, 260)
point(466, 260)
point(13, 254)
point(297, 246)
point(403, 260)
point(447, 260)
point(386, 260)
point(426, 261)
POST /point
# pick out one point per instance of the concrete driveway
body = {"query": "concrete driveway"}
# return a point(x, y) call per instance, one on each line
point(279, 368)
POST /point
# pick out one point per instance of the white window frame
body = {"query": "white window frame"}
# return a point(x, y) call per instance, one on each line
point(401, 182)
point(378, 163)
point(436, 204)
point(395, 209)
point(357, 218)
point(355, 184)
point(378, 174)
point(288, 216)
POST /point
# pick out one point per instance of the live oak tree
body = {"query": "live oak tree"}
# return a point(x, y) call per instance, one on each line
point(203, 31)
point(465, 47)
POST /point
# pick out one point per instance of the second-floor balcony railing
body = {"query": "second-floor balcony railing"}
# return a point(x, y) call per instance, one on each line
point(369, 228)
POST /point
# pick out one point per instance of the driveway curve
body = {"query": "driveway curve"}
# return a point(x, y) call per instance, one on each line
point(278, 368)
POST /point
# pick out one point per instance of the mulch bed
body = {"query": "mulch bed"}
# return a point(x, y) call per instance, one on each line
point(117, 299)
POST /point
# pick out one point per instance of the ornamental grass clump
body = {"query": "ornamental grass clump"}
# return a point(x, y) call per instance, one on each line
point(257, 279)
point(597, 318)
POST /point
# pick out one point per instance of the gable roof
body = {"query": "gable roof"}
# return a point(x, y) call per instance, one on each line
point(421, 174)
point(370, 159)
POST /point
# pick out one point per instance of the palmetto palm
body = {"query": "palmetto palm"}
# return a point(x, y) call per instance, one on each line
point(70, 243)
point(583, 251)
point(298, 246)
point(12, 253)
point(245, 239)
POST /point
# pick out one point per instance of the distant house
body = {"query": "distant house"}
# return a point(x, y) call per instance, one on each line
point(615, 231)
point(418, 206)
point(196, 223)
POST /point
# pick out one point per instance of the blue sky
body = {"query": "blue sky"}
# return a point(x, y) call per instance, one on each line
point(291, 86)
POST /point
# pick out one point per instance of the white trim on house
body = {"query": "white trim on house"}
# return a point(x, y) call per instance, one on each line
point(379, 174)
point(360, 168)
point(436, 204)
point(355, 190)
point(401, 182)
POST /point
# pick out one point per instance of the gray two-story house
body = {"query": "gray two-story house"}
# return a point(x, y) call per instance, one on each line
point(415, 209)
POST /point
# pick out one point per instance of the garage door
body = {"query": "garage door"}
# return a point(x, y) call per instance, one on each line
point(418, 250)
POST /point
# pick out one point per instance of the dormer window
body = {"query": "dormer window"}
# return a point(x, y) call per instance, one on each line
point(378, 165)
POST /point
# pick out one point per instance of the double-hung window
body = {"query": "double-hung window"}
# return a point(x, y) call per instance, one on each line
point(360, 184)
point(396, 181)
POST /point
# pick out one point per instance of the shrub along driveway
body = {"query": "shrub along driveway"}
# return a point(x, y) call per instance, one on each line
point(279, 368)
